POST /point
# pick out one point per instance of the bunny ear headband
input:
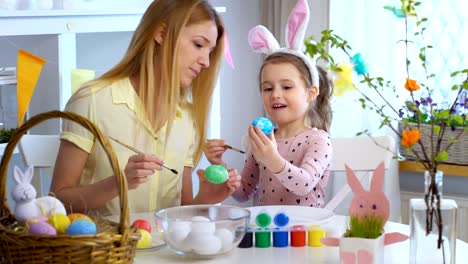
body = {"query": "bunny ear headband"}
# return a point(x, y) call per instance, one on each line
point(261, 40)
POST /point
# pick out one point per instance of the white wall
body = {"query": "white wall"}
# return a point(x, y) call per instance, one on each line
point(239, 96)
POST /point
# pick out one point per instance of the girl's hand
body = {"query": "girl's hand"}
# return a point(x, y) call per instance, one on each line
point(265, 149)
point(210, 193)
point(214, 150)
point(139, 167)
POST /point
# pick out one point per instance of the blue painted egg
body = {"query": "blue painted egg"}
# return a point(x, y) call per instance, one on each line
point(81, 227)
point(264, 124)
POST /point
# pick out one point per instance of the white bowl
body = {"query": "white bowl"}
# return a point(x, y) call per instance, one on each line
point(202, 230)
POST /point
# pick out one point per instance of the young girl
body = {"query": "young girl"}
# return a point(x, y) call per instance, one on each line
point(156, 99)
point(289, 167)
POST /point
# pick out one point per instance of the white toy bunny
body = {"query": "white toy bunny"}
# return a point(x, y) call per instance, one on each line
point(27, 205)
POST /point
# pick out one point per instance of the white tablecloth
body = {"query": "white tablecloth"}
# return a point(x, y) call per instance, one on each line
point(395, 253)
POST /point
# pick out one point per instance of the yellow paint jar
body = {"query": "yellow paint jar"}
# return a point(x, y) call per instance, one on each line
point(314, 234)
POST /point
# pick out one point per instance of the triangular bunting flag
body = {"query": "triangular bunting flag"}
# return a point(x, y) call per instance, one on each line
point(80, 77)
point(28, 71)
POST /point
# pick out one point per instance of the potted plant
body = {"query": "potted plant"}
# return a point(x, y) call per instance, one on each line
point(5, 135)
point(364, 239)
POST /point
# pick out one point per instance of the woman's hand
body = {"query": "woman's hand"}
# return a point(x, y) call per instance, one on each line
point(265, 149)
point(214, 150)
point(139, 167)
point(210, 193)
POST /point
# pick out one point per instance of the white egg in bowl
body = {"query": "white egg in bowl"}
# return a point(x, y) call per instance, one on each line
point(202, 230)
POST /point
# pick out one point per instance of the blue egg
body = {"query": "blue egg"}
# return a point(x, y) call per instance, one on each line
point(264, 124)
point(81, 227)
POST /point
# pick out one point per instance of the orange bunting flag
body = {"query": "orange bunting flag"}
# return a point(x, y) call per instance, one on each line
point(28, 71)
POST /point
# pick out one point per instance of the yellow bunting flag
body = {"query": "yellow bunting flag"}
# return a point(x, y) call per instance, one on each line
point(79, 77)
point(28, 72)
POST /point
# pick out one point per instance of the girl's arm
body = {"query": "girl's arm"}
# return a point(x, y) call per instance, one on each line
point(214, 150)
point(249, 180)
point(301, 176)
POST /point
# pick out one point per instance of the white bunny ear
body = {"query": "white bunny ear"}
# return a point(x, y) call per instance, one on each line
point(18, 175)
point(297, 23)
point(353, 181)
point(29, 174)
point(261, 40)
point(377, 181)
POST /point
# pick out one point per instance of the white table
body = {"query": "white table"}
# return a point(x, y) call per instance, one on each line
point(395, 253)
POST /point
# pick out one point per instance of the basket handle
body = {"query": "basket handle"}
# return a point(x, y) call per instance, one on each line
point(33, 121)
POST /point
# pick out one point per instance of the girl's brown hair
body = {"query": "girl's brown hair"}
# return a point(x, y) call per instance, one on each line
point(156, 65)
point(320, 113)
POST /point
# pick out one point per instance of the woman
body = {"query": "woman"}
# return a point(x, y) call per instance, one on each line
point(146, 101)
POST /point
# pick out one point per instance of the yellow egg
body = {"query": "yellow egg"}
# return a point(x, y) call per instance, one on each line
point(60, 222)
point(145, 240)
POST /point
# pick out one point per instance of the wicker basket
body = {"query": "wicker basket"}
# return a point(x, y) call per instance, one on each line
point(115, 242)
point(458, 152)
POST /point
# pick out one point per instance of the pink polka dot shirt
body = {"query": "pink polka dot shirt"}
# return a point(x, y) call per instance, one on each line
point(301, 182)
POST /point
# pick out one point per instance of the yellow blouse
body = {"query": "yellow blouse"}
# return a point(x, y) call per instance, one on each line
point(118, 112)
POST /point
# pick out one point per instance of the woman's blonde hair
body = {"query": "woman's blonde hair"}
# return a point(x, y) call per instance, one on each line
point(320, 113)
point(156, 65)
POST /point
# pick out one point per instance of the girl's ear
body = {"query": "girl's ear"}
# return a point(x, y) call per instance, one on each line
point(160, 33)
point(312, 93)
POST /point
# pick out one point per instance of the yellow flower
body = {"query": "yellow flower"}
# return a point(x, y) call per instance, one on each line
point(410, 137)
point(411, 85)
point(343, 80)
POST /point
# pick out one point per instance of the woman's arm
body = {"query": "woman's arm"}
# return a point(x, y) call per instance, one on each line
point(187, 187)
point(66, 178)
point(208, 193)
point(69, 166)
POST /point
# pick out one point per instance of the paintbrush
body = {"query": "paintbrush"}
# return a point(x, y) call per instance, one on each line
point(140, 152)
point(235, 149)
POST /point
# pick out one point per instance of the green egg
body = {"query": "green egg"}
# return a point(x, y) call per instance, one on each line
point(216, 174)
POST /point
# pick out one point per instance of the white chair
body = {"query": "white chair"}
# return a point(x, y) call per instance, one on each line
point(40, 151)
point(362, 154)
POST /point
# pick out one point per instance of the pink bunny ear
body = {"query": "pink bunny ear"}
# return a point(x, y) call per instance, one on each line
point(377, 181)
point(261, 40)
point(353, 181)
point(227, 51)
point(297, 23)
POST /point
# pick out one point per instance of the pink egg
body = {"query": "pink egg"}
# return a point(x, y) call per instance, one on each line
point(41, 228)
